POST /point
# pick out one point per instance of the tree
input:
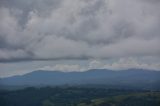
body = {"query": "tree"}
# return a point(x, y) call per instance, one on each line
point(48, 103)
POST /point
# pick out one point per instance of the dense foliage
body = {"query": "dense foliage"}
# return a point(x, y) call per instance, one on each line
point(78, 96)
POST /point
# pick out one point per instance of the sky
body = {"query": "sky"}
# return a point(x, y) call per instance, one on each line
point(77, 35)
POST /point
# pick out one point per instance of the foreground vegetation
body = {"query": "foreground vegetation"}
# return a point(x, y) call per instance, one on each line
point(78, 96)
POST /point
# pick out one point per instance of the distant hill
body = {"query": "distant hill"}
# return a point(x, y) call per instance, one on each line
point(136, 78)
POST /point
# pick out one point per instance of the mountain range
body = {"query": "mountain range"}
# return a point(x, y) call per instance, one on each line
point(138, 78)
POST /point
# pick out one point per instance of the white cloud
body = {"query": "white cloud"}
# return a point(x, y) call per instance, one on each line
point(130, 63)
point(118, 64)
point(95, 64)
point(63, 68)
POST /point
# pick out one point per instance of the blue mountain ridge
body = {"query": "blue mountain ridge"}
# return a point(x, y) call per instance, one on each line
point(131, 77)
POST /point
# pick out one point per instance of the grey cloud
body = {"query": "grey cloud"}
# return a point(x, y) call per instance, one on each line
point(78, 29)
point(93, 7)
point(22, 8)
point(151, 1)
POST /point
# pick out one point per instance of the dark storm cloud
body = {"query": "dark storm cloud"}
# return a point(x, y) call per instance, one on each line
point(24, 7)
point(78, 29)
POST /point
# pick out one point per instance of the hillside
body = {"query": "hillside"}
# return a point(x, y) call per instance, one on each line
point(78, 96)
point(138, 78)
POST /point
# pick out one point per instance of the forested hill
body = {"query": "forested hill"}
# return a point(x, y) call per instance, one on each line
point(146, 79)
point(79, 96)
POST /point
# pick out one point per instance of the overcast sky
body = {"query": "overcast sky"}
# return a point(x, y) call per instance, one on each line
point(76, 35)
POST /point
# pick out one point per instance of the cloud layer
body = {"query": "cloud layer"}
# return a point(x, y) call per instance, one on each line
point(120, 64)
point(78, 29)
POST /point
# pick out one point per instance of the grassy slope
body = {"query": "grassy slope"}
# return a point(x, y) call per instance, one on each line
point(135, 99)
